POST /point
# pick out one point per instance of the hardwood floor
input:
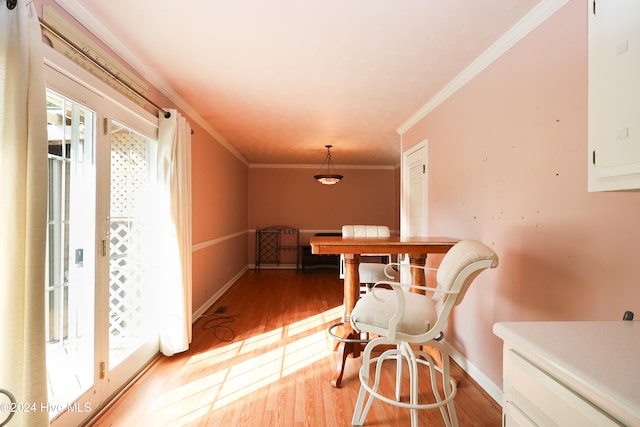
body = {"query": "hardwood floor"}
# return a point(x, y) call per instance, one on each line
point(268, 361)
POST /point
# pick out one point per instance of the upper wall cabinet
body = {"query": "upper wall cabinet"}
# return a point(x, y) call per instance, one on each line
point(614, 95)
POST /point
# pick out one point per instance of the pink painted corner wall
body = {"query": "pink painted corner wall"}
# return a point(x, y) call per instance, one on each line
point(508, 166)
point(291, 197)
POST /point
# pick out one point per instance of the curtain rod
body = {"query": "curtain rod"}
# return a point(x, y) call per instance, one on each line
point(75, 47)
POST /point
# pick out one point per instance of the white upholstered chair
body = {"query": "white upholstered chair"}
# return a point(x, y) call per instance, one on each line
point(369, 272)
point(405, 320)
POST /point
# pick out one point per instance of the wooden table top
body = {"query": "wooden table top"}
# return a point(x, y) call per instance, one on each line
point(326, 245)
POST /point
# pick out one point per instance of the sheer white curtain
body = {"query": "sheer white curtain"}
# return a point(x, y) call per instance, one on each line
point(174, 180)
point(23, 211)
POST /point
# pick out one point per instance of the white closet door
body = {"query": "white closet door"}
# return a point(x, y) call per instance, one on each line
point(413, 219)
point(415, 191)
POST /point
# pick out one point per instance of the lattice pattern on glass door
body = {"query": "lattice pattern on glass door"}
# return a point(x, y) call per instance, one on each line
point(129, 173)
point(124, 303)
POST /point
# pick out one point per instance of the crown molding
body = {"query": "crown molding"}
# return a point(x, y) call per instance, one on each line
point(100, 31)
point(341, 167)
point(522, 28)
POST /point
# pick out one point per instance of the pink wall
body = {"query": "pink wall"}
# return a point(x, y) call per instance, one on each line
point(508, 162)
point(220, 212)
point(291, 197)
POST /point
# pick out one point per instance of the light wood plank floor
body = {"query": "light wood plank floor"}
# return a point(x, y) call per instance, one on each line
point(267, 361)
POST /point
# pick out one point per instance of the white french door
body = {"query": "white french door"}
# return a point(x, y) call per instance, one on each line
point(132, 337)
point(100, 331)
point(70, 285)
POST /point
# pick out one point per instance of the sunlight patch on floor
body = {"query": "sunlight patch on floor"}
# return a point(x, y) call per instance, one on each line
point(188, 402)
point(314, 321)
point(260, 371)
point(305, 351)
point(263, 340)
point(216, 355)
point(193, 400)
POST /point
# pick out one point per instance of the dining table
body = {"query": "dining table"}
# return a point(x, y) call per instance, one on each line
point(417, 249)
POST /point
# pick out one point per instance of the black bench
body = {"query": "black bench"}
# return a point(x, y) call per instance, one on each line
point(309, 260)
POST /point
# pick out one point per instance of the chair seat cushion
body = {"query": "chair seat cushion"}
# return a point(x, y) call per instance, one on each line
point(377, 308)
point(373, 272)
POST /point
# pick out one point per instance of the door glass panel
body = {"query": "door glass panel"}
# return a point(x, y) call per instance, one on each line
point(69, 287)
point(97, 334)
point(131, 171)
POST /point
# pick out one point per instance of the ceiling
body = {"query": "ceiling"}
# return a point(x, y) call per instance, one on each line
point(278, 80)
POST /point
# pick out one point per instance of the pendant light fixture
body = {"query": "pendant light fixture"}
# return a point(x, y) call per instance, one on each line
point(328, 176)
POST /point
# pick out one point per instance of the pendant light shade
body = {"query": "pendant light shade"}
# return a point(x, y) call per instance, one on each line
point(328, 175)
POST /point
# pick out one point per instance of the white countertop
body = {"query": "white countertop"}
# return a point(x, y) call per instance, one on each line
point(600, 359)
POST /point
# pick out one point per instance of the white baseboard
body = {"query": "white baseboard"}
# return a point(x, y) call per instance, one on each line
point(478, 376)
point(200, 311)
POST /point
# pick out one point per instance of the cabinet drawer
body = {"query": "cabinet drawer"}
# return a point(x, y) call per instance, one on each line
point(543, 400)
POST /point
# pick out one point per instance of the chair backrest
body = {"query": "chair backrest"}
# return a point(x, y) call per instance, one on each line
point(460, 266)
point(354, 231)
point(365, 231)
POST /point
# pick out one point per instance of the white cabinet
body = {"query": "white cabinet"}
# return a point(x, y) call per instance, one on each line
point(534, 397)
point(614, 95)
point(570, 373)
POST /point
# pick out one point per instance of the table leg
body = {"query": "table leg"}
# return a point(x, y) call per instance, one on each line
point(418, 276)
point(351, 295)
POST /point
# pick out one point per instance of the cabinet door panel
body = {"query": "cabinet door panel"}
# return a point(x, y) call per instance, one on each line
point(549, 402)
point(614, 94)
